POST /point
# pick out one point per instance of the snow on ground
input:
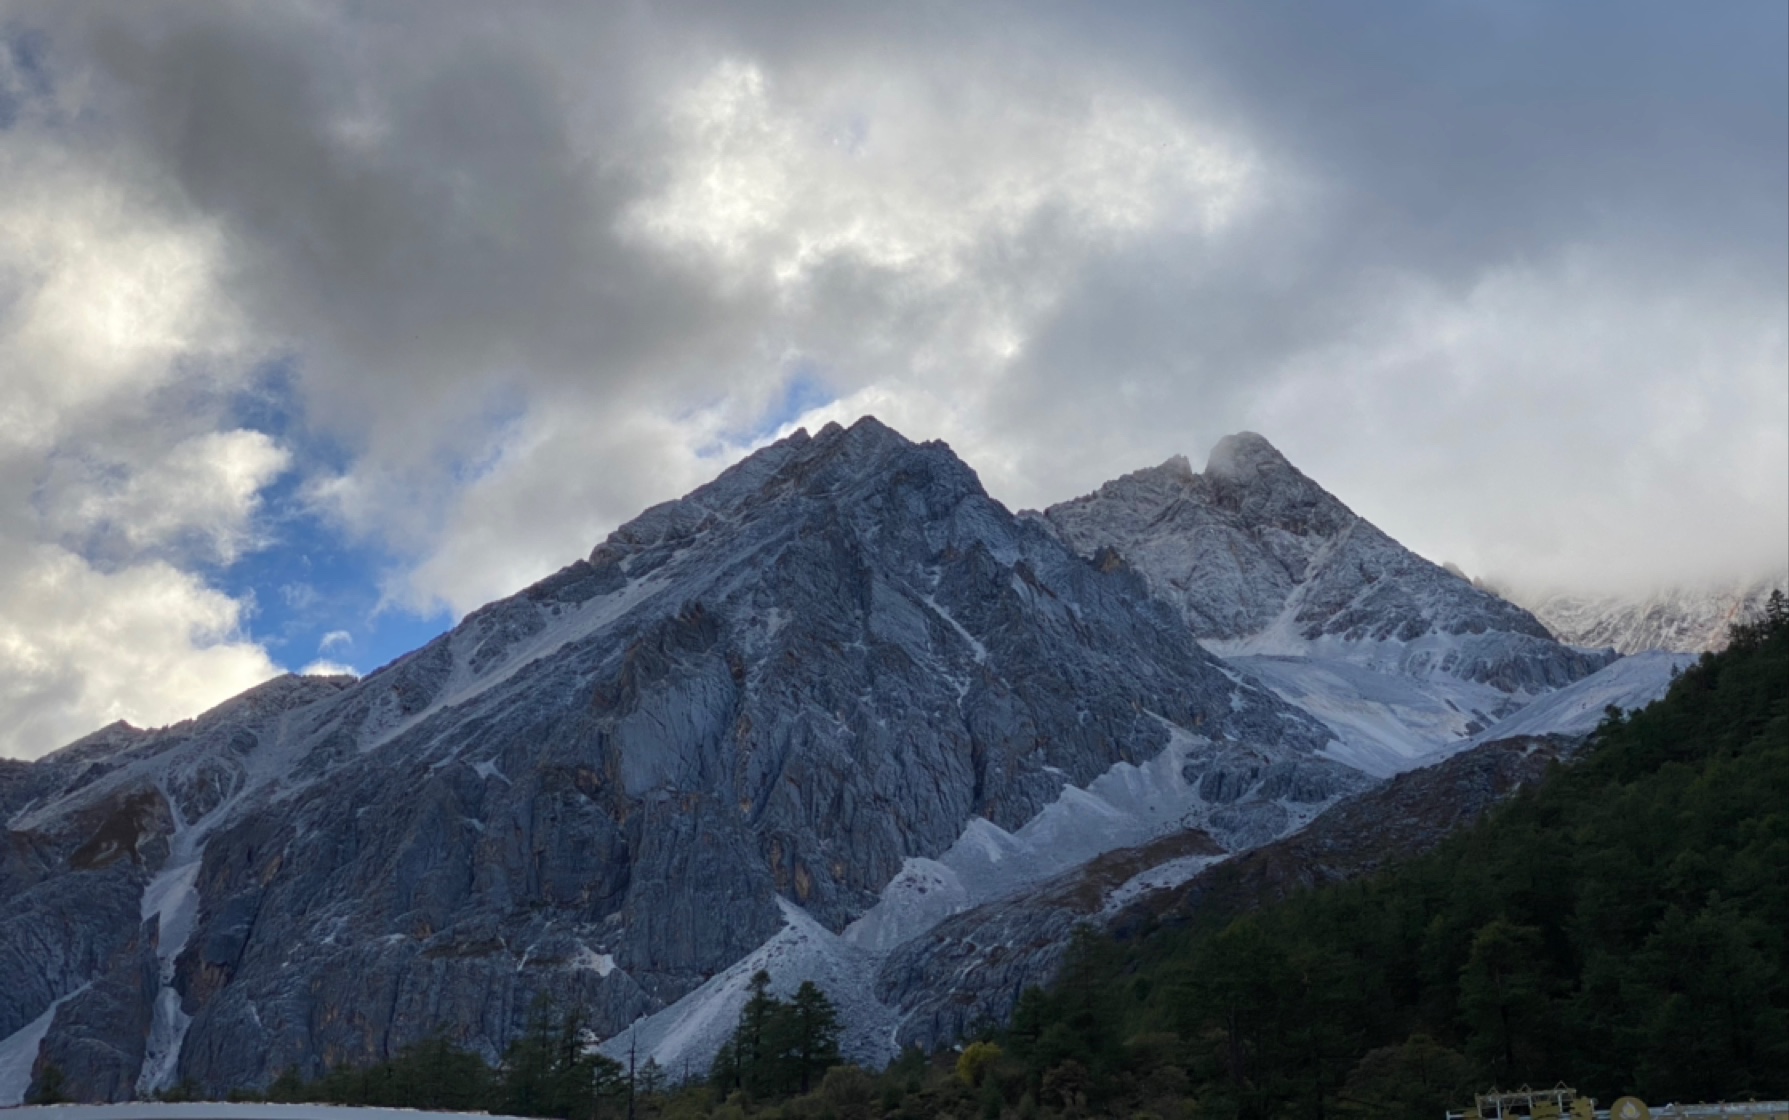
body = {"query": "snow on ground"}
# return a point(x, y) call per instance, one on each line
point(18, 1051)
point(568, 624)
point(172, 899)
point(684, 1037)
point(1385, 722)
point(1122, 808)
point(1633, 682)
point(1160, 877)
point(220, 1110)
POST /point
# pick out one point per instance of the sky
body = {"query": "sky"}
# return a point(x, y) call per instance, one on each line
point(323, 324)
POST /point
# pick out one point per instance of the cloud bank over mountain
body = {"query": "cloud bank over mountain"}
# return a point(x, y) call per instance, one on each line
point(322, 319)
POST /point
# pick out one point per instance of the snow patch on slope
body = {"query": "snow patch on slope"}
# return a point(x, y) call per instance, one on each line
point(1385, 723)
point(1160, 877)
point(566, 625)
point(172, 898)
point(1679, 619)
point(1633, 682)
point(1122, 808)
point(684, 1037)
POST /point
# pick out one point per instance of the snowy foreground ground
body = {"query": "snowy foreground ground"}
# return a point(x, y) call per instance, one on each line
point(215, 1110)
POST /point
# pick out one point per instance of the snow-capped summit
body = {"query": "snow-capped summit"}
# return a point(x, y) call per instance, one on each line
point(1267, 566)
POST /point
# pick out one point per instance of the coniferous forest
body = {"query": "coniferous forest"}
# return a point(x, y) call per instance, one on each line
point(1620, 928)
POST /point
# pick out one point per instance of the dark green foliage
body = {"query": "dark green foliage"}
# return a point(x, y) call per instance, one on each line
point(1417, 1080)
point(1621, 927)
point(546, 1072)
point(811, 1036)
point(49, 1088)
point(433, 1074)
point(779, 1048)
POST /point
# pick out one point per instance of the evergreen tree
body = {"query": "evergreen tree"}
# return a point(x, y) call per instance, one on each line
point(50, 1088)
point(753, 1048)
point(813, 1035)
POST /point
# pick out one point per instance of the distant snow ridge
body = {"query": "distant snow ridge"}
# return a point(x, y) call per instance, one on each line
point(1679, 619)
point(1399, 656)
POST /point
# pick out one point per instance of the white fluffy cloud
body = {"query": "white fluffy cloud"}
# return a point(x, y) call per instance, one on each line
point(1607, 378)
point(80, 648)
point(111, 321)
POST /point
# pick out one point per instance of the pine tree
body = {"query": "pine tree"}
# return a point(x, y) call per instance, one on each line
point(51, 1086)
point(814, 1035)
point(752, 1042)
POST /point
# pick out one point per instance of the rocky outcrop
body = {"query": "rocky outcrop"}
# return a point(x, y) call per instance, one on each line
point(1387, 825)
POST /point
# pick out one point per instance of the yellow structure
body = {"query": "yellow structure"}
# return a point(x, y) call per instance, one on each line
point(1563, 1103)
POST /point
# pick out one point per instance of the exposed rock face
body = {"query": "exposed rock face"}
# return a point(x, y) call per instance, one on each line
point(822, 665)
point(1259, 559)
point(974, 966)
point(1679, 619)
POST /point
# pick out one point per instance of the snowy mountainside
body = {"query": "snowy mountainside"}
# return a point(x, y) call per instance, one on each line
point(838, 658)
point(1399, 656)
point(1679, 619)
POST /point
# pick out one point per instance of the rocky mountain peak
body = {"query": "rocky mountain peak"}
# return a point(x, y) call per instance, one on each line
point(1244, 456)
point(1176, 467)
point(1260, 559)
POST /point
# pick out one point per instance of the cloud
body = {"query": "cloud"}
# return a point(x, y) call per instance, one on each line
point(1510, 279)
point(325, 668)
point(118, 470)
point(335, 640)
point(197, 497)
point(80, 648)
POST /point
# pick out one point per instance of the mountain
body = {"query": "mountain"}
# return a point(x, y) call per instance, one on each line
point(767, 714)
point(1678, 619)
point(1400, 656)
